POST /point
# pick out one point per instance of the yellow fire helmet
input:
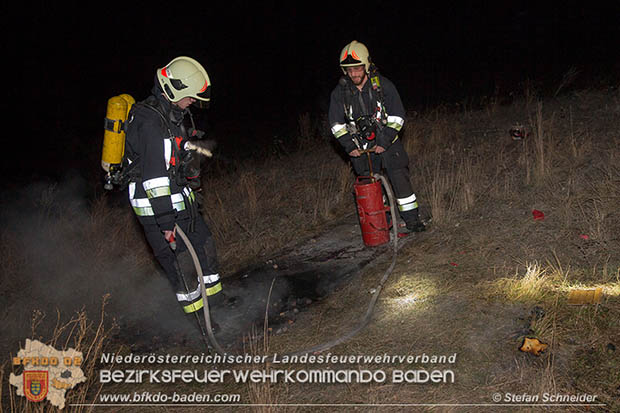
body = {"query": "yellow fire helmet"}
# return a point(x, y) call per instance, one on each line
point(354, 54)
point(184, 77)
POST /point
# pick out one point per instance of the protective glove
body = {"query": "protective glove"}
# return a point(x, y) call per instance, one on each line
point(196, 133)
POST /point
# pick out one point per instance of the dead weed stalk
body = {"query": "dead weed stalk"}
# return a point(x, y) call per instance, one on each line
point(83, 335)
point(541, 165)
point(262, 394)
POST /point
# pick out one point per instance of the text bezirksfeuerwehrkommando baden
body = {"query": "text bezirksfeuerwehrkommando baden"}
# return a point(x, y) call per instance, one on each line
point(326, 375)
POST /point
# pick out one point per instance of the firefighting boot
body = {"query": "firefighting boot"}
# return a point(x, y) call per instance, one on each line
point(412, 221)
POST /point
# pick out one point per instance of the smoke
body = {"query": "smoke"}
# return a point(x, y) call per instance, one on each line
point(62, 249)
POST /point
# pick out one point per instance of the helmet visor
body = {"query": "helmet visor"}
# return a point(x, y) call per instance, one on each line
point(205, 95)
point(350, 61)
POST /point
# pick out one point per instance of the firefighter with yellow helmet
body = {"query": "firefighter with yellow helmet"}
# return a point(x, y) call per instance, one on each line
point(162, 150)
point(366, 113)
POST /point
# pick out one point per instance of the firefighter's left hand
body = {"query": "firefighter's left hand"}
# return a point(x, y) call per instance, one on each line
point(379, 149)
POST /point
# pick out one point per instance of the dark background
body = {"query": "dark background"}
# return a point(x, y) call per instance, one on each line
point(273, 61)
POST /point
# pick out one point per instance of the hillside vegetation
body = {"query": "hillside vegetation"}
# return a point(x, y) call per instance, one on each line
point(483, 277)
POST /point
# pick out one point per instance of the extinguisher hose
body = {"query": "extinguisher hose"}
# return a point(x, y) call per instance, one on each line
point(373, 301)
point(339, 340)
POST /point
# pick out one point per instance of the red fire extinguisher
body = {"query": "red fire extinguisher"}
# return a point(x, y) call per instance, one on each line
point(371, 211)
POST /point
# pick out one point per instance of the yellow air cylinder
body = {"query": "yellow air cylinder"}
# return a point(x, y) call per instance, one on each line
point(114, 133)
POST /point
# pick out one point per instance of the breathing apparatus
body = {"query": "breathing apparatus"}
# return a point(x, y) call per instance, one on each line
point(183, 77)
point(366, 127)
point(112, 154)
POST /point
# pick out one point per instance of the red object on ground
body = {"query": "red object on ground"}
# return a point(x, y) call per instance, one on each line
point(583, 236)
point(373, 220)
point(538, 215)
point(454, 264)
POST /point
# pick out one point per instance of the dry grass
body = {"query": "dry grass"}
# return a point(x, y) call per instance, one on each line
point(80, 334)
point(469, 284)
point(262, 207)
point(532, 286)
point(480, 187)
point(263, 395)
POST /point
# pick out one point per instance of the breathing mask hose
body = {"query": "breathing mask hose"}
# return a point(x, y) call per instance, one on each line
point(321, 347)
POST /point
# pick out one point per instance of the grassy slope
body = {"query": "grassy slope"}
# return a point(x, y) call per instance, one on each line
point(474, 282)
point(472, 285)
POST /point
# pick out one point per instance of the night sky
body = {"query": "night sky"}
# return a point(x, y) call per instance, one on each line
point(270, 62)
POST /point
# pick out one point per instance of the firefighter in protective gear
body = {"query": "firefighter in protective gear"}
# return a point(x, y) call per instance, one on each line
point(160, 190)
point(366, 113)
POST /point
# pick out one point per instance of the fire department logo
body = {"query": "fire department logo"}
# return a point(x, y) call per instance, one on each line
point(47, 373)
point(36, 385)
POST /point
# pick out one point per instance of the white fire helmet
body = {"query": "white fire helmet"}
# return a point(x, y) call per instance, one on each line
point(184, 77)
point(354, 54)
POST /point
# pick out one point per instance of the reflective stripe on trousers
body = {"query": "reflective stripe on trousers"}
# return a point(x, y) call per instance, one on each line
point(192, 301)
point(197, 304)
point(407, 204)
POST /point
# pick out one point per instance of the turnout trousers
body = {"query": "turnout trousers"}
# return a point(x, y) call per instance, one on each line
point(202, 241)
point(395, 162)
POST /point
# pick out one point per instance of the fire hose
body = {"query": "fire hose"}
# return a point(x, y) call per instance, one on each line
point(321, 347)
point(203, 290)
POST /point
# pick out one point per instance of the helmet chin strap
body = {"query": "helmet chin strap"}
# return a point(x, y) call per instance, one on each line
point(175, 108)
point(183, 113)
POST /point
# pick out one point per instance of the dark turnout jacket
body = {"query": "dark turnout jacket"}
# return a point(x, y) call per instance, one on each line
point(347, 103)
point(155, 196)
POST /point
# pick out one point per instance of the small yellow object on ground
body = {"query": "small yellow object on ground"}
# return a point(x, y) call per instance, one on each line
point(533, 345)
point(579, 297)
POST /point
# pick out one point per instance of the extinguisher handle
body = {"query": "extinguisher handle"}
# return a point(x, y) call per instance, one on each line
point(363, 179)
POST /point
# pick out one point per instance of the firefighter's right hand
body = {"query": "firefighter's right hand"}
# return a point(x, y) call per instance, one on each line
point(355, 153)
point(169, 236)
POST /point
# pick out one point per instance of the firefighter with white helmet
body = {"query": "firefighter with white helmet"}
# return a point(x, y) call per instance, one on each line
point(162, 152)
point(184, 78)
point(366, 113)
point(354, 54)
